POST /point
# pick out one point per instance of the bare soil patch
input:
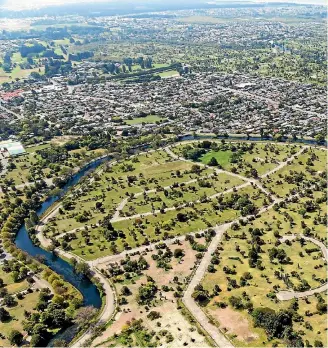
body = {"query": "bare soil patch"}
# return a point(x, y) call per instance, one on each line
point(234, 323)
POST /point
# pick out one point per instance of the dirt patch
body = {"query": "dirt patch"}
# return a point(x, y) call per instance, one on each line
point(234, 323)
point(184, 334)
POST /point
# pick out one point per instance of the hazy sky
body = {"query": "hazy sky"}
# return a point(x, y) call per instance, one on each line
point(25, 4)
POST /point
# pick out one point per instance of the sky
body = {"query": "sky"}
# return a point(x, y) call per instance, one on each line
point(29, 4)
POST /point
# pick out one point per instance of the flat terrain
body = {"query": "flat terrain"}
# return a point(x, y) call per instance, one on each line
point(171, 327)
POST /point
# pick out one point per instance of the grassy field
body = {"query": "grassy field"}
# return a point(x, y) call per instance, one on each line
point(17, 316)
point(223, 157)
point(152, 171)
point(168, 73)
point(137, 231)
point(308, 267)
point(260, 156)
point(279, 182)
point(190, 193)
point(147, 119)
point(11, 286)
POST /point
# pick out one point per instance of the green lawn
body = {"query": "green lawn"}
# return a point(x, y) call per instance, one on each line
point(147, 119)
point(168, 73)
point(17, 316)
point(10, 284)
point(307, 267)
point(223, 157)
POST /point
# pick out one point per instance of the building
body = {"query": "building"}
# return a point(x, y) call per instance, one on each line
point(11, 148)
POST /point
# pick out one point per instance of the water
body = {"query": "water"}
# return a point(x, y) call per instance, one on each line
point(90, 293)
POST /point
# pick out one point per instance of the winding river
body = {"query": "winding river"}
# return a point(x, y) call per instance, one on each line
point(89, 291)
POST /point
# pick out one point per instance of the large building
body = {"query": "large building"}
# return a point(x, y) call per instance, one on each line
point(11, 148)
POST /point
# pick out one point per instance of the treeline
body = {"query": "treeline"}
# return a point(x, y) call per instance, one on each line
point(80, 55)
point(147, 72)
point(54, 67)
point(34, 49)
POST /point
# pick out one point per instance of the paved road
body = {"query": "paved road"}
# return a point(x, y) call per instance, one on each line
point(196, 311)
point(288, 295)
point(249, 180)
point(187, 299)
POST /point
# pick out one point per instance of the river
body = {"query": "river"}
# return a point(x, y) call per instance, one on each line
point(90, 293)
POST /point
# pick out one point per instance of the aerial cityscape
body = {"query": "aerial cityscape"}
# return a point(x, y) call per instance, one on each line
point(163, 173)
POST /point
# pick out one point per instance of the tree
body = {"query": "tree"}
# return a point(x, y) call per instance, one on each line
point(8, 301)
point(125, 291)
point(15, 338)
point(274, 323)
point(36, 341)
point(320, 138)
point(178, 253)
point(4, 315)
point(213, 162)
point(85, 314)
point(34, 217)
point(82, 268)
point(146, 292)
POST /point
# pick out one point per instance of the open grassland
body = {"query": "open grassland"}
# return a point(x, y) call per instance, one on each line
point(136, 231)
point(308, 169)
point(176, 197)
point(147, 119)
point(10, 285)
point(168, 73)
point(247, 159)
point(15, 322)
point(303, 268)
point(179, 194)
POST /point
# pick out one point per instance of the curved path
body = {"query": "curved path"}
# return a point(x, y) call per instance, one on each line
point(286, 295)
point(196, 311)
point(219, 338)
point(249, 180)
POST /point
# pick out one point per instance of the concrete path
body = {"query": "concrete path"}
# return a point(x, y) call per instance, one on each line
point(110, 304)
point(187, 299)
point(288, 295)
point(249, 180)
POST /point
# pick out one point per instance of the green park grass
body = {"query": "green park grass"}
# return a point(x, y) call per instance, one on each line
point(17, 72)
point(17, 316)
point(263, 282)
point(168, 73)
point(155, 168)
point(298, 165)
point(147, 119)
point(191, 193)
point(23, 163)
point(35, 148)
point(264, 157)
point(12, 287)
point(138, 230)
point(223, 157)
